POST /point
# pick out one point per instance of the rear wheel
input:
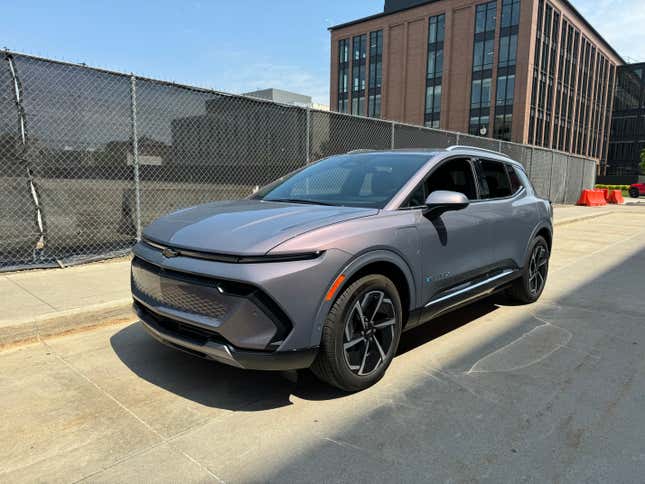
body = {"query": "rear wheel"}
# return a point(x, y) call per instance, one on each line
point(360, 335)
point(530, 286)
point(634, 192)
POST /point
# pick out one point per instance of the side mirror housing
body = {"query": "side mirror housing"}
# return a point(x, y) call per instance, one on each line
point(441, 201)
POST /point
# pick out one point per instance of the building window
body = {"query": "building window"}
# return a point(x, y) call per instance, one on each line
point(359, 49)
point(483, 54)
point(434, 70)
point(505, 92)
point(376, 74)
point(503, 126)
point(343, 75)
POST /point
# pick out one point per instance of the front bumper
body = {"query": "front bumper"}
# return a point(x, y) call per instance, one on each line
point(286, 313)
point(168, 333)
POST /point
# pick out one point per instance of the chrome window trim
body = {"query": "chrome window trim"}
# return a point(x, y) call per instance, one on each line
point(471, 287)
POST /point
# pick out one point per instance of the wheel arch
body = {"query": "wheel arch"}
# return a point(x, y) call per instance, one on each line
point(544, 230)
point(384, 262)
point(393, 273)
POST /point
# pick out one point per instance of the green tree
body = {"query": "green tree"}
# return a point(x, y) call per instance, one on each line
point(643, 161)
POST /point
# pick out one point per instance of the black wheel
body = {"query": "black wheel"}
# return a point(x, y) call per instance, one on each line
point(360, 335)
point(634, 193)
point(530, 286)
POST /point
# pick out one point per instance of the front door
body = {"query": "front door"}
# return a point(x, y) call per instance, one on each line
point(456, 245)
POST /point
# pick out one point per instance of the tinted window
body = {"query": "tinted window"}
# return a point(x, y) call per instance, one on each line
point(452, 175)
point(516, 184)
point(455, 176)
point(494, 180)
point(359, 180)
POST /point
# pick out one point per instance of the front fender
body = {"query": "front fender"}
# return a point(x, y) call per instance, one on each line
point(353, 267)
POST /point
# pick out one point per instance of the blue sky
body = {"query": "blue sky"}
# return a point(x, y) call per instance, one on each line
point(233, 46)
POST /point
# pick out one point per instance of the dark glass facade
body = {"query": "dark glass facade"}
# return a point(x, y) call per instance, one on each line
point(627, 138)
point(360, 74)
point(343, 75)
point(505, 91)
point(376, 74)
point(434, 70)
point(483, 56)
point(359, 58)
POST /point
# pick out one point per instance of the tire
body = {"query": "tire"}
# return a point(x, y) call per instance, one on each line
point(634, 192)
point(528, 288)
point(361, 365)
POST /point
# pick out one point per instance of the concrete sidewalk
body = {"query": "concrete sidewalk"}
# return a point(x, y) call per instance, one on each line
point(43, 303)
point(49, 302)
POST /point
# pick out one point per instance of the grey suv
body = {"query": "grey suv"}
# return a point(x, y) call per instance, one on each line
point(327, 266)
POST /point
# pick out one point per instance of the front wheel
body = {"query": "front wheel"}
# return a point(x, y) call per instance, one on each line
point(528, 288)
point(360, 335)
point(634, 192)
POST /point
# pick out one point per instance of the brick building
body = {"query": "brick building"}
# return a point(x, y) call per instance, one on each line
point(528, 71)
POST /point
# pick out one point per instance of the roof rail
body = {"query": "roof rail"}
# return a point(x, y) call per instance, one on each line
point(464, 147)
point(362, 150)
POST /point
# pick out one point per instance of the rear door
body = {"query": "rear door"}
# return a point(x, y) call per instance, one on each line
point(508, 210)
point(455, 246)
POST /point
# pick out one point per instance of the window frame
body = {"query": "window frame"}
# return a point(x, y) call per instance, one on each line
point(477, 162)
point(471, 162)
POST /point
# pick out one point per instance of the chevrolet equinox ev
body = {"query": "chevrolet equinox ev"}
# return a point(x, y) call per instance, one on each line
point(325, 267)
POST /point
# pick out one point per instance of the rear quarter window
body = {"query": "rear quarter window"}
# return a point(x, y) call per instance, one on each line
point(516, 184)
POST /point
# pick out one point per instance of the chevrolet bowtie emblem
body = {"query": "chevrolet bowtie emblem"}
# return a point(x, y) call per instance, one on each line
point(169, 253)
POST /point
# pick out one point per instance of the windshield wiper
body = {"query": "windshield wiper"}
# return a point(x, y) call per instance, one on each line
point(298, 200)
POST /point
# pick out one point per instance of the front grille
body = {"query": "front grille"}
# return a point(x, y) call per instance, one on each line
point(199, 296)
point(220, 300)
point(189, 331)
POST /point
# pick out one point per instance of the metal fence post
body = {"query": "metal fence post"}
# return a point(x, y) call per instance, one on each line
point(457, 140)
point(392, 143)
point(308, 143)
point(135, 157)
point(24, 153)
point(551, 175)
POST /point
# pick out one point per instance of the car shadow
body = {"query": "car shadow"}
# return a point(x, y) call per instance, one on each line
point(220, 386)
point(442, 325)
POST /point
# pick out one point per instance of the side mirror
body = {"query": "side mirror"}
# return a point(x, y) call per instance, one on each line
point(441, 201)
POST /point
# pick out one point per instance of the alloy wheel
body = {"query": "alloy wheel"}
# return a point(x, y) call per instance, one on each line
point(538, 269)
point(369, 333)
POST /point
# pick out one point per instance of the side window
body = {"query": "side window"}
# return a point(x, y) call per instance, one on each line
point(453, 175)
point(494, 180)
point(516, 184)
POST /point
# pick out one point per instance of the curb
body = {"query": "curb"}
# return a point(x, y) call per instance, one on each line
point(66, 322)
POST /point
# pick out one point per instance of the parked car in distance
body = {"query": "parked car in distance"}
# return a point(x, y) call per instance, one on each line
point(637, 190)
point(326, 267)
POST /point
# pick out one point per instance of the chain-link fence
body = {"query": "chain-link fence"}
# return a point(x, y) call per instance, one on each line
point(89, 157)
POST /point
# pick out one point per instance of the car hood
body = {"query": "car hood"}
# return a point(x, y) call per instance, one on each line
point(245, 227)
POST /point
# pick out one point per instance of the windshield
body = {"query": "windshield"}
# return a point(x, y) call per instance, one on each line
point(359, 180)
